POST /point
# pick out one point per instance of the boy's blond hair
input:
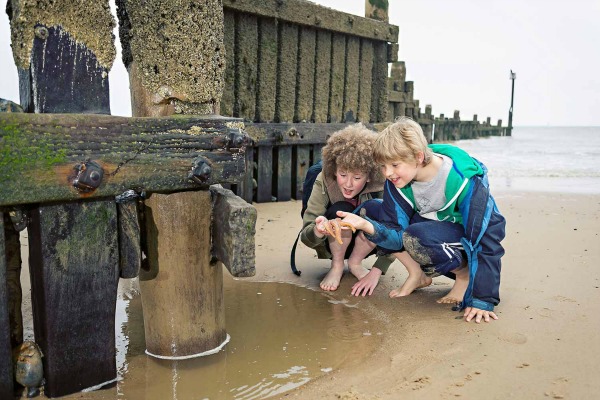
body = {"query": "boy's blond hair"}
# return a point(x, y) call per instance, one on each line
point(350, 149)
point(401, 141)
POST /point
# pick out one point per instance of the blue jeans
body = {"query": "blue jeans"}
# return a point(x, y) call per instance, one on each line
point(435, 245)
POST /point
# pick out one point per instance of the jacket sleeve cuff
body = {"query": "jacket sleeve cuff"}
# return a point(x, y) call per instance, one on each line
point(383, 263)
point(310, 239)
point(376, 237)
point(482, 305)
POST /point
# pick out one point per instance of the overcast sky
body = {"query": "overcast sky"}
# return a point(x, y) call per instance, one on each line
point(459, 54)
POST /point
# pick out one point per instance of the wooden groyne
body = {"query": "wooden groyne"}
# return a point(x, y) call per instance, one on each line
point(95, 190)
point(297, 72)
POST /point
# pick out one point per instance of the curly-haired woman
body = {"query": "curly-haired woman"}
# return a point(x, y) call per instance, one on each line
point(349, 178)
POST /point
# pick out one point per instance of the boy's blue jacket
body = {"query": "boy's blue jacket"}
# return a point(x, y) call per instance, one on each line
point(469, 203)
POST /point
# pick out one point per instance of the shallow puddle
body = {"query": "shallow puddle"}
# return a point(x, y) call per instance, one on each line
point(282, 336)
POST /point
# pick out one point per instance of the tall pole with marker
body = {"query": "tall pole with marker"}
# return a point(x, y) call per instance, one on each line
point(513, 76)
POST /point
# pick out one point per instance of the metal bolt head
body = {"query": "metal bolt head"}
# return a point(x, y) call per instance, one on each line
point(41, 32)
point(89, 176)
point(201, 171)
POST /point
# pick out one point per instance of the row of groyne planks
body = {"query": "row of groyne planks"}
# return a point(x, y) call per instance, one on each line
point(298, 74)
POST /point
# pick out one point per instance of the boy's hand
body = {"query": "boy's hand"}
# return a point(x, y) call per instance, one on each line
point(320, 230)
point(357, 222)
point(367, 284)
point(478, 314)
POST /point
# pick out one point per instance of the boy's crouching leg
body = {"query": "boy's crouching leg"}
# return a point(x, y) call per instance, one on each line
point(461, 283)
point(416, 277)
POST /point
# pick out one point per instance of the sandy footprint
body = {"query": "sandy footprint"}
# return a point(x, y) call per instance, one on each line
point(515, 338)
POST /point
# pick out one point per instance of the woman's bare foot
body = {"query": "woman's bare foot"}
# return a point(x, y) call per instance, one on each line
point(358, 271)
point(412, 283)
point(457, 292)
point(332, 280)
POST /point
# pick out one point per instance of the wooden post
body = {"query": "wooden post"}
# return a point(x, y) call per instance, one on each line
point(6, 367)
point(63, 57)
point(130, 252)
point(63, 70)
point(182, 293)
point(170, 70)
point(74, 266)
point(174, 72)
point(377, 9)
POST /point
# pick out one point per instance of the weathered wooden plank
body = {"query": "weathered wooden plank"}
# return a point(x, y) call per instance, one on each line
point(284, 173)
point(379, 99)
point(267, 69)
point(287, 69)
point(180, 287)
point(322, 76)
point(265, 174)
point(306, 75)
point(6, 367)
point(248, 181)
point(308, 13)
point(228, 97)
point(74, 272)
point(246, 61)
point(39, 153)
point(233, 231)
point(302, 163)
point(293, 134)
point(338, 67)
point(351, 79)
point(398, 75)
point(130, 251)
point(316, 153)
point(397, 97)
point(66, 76)
point(365, 79)
point(392, 52)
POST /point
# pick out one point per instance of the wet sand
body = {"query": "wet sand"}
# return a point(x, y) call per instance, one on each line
point(546, 343)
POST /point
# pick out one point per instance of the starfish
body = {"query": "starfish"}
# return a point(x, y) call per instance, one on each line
point(334, 228)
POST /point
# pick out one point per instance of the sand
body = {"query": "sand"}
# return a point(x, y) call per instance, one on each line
point(546, 343)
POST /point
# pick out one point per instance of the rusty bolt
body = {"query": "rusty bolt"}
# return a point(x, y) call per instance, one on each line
point(292, 132)
point(89, 176)
point(236, 139)
point(201, 170)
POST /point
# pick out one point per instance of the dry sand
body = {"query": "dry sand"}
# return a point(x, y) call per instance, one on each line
point(546, 343)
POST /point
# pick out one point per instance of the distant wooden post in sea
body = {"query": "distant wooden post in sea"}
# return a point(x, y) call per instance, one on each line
point(513, 76)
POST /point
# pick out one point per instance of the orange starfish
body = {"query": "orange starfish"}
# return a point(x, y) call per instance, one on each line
point(334, 228)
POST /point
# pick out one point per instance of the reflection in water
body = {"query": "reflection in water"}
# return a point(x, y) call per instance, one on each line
point(282, 336)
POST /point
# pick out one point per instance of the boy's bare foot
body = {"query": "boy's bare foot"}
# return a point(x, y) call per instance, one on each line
point(333, 277)
point(411, 284)
point(358, 271)
point(457, 292)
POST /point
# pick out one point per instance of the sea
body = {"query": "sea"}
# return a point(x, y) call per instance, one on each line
point(546, 159)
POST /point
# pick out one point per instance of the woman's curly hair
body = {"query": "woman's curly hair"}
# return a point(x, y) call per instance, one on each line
point(350, 149)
